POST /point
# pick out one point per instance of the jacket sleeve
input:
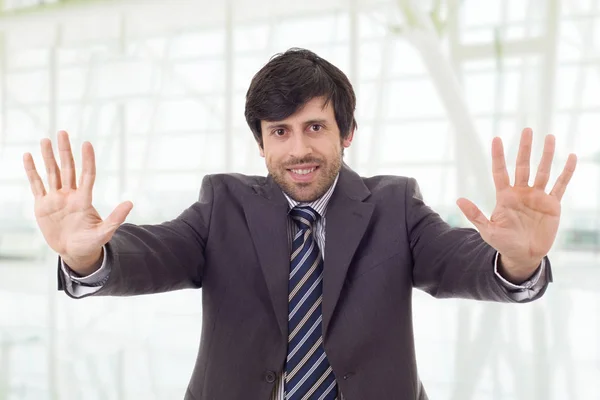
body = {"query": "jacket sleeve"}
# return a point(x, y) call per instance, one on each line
point(158, 258)
point(453, 262)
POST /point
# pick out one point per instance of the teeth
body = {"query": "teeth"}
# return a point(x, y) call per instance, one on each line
point(303, 171)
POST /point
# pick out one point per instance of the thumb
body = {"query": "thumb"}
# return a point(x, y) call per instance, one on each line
point(117, 217)
point(473, 214)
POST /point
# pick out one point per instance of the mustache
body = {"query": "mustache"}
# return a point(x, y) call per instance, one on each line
point(306, 160)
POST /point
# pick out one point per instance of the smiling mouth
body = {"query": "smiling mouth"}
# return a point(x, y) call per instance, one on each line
point(303, 171)
point(303, 174)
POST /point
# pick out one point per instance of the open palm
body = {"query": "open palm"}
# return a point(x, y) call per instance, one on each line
point(525, 220)
point(69, 223)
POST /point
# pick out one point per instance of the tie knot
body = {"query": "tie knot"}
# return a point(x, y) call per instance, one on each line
point(304, 216)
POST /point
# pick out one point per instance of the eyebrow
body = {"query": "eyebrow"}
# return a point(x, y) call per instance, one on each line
point(283, 125)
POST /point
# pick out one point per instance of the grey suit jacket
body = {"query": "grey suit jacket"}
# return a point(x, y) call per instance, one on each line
point(382, 241)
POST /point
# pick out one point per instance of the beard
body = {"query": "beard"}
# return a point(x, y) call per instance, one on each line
point(306, 192)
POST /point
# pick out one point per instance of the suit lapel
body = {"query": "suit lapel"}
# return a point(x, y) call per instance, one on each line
point(266, 215)
point(347, 219)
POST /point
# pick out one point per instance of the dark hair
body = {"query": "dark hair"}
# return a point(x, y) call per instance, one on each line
point(288, 81)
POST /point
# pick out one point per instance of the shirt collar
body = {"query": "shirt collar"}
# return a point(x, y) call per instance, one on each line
point(319, 205)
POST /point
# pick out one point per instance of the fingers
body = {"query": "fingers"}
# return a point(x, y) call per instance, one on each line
point(117, 217)
point(88, 170)
point(501, 179)
point(522, 169)
point(473, 214)
point(67, 164)
point(54, 182)
point(563, 180)
point(543, 172)
point(36, 183)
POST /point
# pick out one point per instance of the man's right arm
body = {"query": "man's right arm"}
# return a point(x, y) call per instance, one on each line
point(144, 259)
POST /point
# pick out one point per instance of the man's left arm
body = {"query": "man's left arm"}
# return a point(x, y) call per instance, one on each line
point(451, 262)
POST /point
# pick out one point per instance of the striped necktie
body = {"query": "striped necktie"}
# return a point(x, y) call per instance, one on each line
point(308, 374)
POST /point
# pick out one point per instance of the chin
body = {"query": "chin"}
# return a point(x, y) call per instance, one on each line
point(304, 193)
point(305, 198)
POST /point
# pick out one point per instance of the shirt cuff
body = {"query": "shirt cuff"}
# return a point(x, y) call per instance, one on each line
point(78, 286)
point(528, 284)
point(93, 279)
point(528, 289)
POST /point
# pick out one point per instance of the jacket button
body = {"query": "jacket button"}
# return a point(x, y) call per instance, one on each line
point(270, 376)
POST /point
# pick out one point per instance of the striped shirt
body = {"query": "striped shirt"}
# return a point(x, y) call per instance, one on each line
point(320, 206)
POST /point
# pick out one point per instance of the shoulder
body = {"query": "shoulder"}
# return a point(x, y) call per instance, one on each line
point(392, 188)
point(386, 184)
point(233, 183)
point(236, 179)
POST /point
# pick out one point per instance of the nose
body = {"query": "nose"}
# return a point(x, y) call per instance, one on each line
point(300, 146)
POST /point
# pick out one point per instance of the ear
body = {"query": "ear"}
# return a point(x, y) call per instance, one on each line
point(261, 151)
point(348, 141)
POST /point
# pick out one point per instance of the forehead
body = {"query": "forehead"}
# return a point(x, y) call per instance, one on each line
point(314, 108)
point(316, 105)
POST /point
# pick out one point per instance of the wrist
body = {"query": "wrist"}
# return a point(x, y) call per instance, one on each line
point(516, 272)
point(84, 266)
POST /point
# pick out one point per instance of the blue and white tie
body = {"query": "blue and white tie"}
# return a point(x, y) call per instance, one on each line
point(308, 373)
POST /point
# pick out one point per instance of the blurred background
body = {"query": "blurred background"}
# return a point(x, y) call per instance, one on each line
point(158, 88)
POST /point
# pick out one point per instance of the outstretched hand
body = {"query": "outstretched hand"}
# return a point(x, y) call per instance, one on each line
point(525, 220)
point(69, 222)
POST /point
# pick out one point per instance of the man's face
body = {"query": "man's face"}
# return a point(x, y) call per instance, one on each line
point(303, 152)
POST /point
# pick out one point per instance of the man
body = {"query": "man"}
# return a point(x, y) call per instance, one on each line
point(307, 274)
